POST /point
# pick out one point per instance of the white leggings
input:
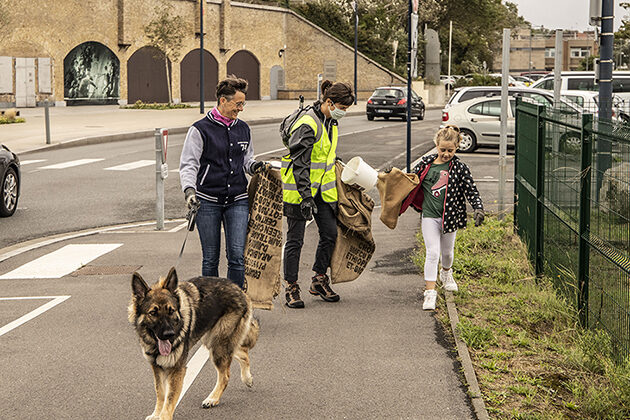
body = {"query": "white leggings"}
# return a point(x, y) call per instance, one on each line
point(436, 243)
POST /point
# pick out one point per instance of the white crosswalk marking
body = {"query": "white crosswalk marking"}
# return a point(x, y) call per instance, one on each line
point(31, 161)
point(60, 262)
point(71, 164)
point(56, 300)
point(131, 165)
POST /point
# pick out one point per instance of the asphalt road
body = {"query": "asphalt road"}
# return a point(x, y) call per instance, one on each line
point(374, 355)
point(59, 200)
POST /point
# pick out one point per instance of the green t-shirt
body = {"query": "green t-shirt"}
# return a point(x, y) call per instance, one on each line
point(434, 187)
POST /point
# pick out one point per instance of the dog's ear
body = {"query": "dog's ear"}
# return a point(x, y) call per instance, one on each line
point(171, 280)
point(139, 286)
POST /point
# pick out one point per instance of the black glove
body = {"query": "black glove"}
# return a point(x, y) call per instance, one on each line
point(388, 169)
point(308, 208)
point(191, 198)
point(260, 166)
point(337, 158)
point(478, 216)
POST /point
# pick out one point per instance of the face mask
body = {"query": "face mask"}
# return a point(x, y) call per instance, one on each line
point(337, 114)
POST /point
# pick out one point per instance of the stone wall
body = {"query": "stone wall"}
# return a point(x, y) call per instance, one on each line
point(275, 36)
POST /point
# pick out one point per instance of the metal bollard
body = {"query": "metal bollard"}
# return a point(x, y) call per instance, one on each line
point(47, 119)
point(159, 181)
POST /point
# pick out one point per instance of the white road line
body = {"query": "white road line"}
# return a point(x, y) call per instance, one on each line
point(178, 227)
point(28, 162)
point(71, 164)
point(56, 300)
point(131, 165)
point(60, 262)
point(193, 367)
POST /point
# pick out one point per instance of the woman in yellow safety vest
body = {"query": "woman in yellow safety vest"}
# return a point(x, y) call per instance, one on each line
point(309, 189)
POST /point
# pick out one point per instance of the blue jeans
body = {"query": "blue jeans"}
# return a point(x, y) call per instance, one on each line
point(234, 217)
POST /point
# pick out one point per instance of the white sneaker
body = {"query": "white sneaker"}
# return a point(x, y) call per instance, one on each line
point(429, 300)
point(447, 280)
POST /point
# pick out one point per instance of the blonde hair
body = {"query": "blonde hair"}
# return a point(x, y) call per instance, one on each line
point(449, 133)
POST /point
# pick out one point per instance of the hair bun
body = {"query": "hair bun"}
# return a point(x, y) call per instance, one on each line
point(325, 85)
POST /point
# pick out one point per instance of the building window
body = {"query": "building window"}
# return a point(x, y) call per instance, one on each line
point(550, 52)
point(580, 52)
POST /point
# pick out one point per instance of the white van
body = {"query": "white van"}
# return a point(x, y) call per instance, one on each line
point(585, 80)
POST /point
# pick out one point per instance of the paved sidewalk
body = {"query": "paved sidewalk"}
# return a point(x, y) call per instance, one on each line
point(79, 125)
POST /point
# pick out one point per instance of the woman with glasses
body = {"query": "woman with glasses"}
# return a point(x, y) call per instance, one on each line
point(309, 189)
point(217, 153)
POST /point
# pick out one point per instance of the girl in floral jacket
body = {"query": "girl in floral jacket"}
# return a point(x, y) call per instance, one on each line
point(445, 185)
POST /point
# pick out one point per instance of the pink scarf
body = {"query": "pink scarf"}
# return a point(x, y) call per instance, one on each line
point(217, 116)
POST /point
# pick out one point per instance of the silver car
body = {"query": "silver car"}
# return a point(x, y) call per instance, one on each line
point(479, 121)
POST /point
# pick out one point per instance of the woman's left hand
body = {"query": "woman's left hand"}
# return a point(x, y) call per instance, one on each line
point(478, 216)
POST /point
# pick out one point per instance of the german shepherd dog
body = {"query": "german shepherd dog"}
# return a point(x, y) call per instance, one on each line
point(170, 318)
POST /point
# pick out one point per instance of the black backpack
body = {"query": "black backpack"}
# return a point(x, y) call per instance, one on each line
point(289, 120)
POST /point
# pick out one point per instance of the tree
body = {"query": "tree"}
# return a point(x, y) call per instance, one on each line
point(166, 32)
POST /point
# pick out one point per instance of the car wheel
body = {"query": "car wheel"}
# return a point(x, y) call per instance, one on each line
point(421, 115)
point(370, 117)
point(571, 143)
point(468, 142)
point(10, 189)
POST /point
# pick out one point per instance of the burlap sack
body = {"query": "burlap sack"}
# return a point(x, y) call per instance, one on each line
point(263, 249)
point(393, 188)
point(351, 255)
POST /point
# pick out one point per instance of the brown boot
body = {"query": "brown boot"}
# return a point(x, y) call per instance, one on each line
point(292, 294)
point(320, 286)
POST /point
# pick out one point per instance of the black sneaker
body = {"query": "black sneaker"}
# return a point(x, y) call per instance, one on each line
point(292, 294)
point(321, 286)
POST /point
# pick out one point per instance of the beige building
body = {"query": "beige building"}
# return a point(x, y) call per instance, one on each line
point(541, 51)
point(88, 52)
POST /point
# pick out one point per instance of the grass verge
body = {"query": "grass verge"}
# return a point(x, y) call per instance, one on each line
point(11, 120)
point(531, 357)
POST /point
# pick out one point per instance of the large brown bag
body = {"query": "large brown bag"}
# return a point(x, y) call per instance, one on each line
point(263, 249)
point(393, 188)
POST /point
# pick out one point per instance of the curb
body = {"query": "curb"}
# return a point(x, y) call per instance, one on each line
point(22, 247)
point(464, 356)
point(110, 138)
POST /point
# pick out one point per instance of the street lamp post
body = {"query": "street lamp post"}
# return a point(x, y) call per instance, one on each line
point(356, 45)
point(201, 98)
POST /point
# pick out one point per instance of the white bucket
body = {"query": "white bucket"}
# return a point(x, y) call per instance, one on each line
point(358, 172)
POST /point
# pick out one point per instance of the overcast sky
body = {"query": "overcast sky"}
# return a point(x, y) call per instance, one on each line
point(562, 14)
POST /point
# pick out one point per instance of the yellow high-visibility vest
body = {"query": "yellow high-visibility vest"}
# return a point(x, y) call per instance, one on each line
point(322, 170)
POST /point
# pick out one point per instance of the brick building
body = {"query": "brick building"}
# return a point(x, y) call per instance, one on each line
point(90, 52)
point(575, 46)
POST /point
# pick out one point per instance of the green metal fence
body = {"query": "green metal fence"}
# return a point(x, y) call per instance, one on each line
point(572, 209)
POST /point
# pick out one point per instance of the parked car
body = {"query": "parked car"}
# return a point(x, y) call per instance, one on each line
point(526, 80)
point(535, 74)
point(585, 80)
point(543, 97)
point(391, 101)
point(10, 177)
point(448, 81)
point(479, 121)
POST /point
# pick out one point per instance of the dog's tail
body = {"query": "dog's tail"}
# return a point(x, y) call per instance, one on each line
point(252, 334)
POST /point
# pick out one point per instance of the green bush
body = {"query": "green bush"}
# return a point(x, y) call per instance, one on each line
point(141, 105)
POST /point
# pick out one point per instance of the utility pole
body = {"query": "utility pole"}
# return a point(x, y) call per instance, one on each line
point(607, 38)
point(356, 45)
point(505, 74)
point(529, 66)
point(450, 42)
point(557, 70)
point(201, 96)
point(409, 62)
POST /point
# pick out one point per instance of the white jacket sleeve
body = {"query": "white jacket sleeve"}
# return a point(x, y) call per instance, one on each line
point(189, 160)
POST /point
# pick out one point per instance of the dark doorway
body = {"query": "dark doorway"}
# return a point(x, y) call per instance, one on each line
point(245, 65)
point(146, 76)
point(190, 76)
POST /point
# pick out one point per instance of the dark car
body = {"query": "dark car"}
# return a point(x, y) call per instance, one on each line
point(391, 101)
point(9, 181)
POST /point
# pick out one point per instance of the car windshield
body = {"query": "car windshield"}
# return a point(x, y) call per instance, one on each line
point(394, 93)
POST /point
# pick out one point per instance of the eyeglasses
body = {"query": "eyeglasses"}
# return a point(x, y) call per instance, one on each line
point(240, 104)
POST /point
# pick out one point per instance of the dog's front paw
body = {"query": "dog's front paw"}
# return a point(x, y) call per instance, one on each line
point(152, 417)
point(210, 402)
point(248, 380)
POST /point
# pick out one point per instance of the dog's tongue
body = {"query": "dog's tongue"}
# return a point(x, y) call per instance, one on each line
point(164, 347)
